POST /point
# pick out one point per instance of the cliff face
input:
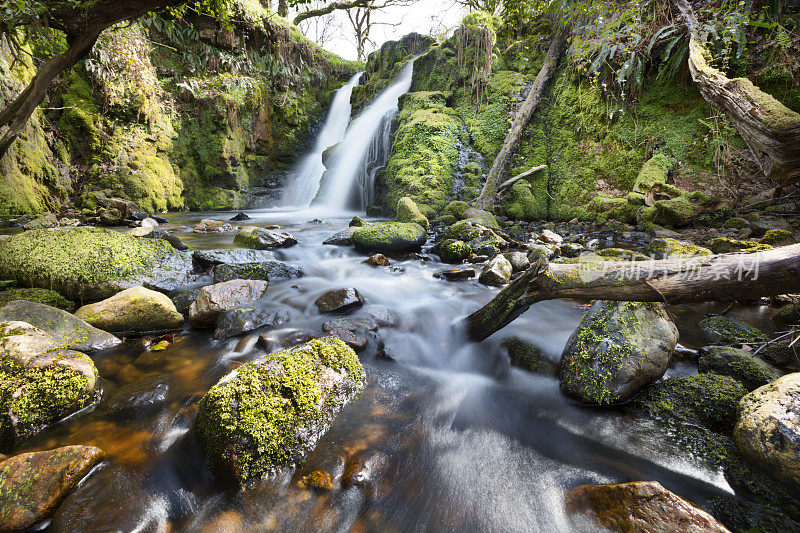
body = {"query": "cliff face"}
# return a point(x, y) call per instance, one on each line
point(172, 114)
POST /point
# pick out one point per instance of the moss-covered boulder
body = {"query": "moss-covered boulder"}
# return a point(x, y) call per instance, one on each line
point(408, 211)
point(91, 264)
point(39, 382)
point(741, 365)
point(768, 429)
point(133, 310)
point(45, 296)
point(452, 251)
point(618, 348)
point(456, 208)
point(724, 245)
point(725, 330)
point(390, 238)
point(528, 356)
point(673, 248)
point(788, 314)
point(653, 172)
point(69, 330)
point(268, 414)
point(264, 239)
point(777, 237)
point(675, 212)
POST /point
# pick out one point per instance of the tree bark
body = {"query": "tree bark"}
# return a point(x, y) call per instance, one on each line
point(508, 183)
point(83, 24)
point(503, 160)
point(330, 8)
point(770, 129)
point(724, 277)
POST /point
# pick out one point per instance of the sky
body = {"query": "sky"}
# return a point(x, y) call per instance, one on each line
point(435, 17)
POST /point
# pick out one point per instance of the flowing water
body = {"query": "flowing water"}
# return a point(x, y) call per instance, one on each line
point(466, 443)
point(304, 180)
point(365, 148)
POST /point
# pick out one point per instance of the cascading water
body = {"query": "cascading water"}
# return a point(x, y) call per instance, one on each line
point(306, 176)
point(365, 149)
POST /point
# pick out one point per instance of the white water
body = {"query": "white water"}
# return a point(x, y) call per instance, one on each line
point(306, 175)
point(354, 166)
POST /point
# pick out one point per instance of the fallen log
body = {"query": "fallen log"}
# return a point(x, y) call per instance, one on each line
point(508, 183)
point(770, 129)
point(723, 277)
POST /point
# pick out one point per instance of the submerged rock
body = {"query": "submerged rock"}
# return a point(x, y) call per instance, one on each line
point(496, 272)
point(33, 485)
point(339, 301)
point(136, 309)
point(618, 348)
point(639, 506)
point(270, 413)
point(527, 355)
point(264, 270)
point(237, 321)
point(91, 263)
point(726, 330)
point(768, 429)
point(214, 299)
point(353, 331)
point(69, 330)
point(138, 400)
point(264, 239)
point(741, 365)
point(390, 238)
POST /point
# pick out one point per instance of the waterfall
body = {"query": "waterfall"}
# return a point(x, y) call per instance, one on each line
point(306, 175)
point(349, 181)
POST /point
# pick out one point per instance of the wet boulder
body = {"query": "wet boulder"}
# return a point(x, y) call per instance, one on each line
point(551, 237)
point(90, 263)
point(390, 238)
point(618, 348)
point(724, 245)
point(40, 382)
point(239, 217)
point(496, 272)
point(264, 239)
point(353, 331)
point(214, 299)
point(526, 355)
point(377, 260)
point(725, 330)
point(741, 365)
point(452, 251)
point(264, 270)
point(183, 299)
point(787, 314)
point(33, 485)
point(457, 274)
point(668, 248)
point(408, 211)
point(768, 429)
point(47, 220)
point(205, 259)
point(269, 413)
point(519, 261)
point(170, 238)
point(237, 321)
point(43, 296)
point(357, 222)
point(639, 506)
point(339, 301)
point(137, 400)
point(141, 231)
point(344, 237)
point(69, 330)
point(208, 225)
point(133, 310)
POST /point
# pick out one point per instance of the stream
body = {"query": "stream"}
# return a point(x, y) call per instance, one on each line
point(456, 438)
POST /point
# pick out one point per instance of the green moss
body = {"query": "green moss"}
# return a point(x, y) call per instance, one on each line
point(675, 212)
point(528, 356)
point(387, 233)
point(746, 368)
point(775, 237)
point(654, 171)
point(452, 251)
point(456, 209)
point(724, 245)
point(45, 296)
point(672, 248)
point(519, 203)
point(726, 330)
point(407, 211)
point(263, 416)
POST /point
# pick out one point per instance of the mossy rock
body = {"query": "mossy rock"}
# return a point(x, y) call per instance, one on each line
point(725, 330)
point(45, 296)
point(269, 413)
point(736, 223)
point(746, 368)
point(777, 237)
point(528, 356)
point(519, 203)
point(724, 245)
point(390, 237)
point(653, 172)
point(456, 209)
point(676, 212)
point(133, 310)
point(672, 248)
point(90, 263)
point(452, 251)
point(408, 211)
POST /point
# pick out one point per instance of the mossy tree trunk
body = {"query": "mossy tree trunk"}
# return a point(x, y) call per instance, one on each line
point(503, 160)
point(725, 277)
point(771, 130)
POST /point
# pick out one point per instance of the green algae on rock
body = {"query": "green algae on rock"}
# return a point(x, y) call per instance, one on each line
point(91, 263)
point(268, 414)
point(390, 237)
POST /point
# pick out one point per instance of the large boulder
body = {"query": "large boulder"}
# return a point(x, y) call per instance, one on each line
point(408, 211)
point(452, 251)
point(40, 383)
point(344, 237)
point(643, 506)
point(390, 238)
point(496, 272)
point(135, 309)
point(91, 263)
point(69, 330)
point(618, 348)
point(768, 429)
point(741, 365)
point(205, 259)
point(214, 299)
point(33, 485)
point(265, 270)
point(269, 413)
point(263, 239)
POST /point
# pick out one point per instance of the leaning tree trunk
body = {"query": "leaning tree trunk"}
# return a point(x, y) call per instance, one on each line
point(503, 160)
point(724, 277)
point(770, 129)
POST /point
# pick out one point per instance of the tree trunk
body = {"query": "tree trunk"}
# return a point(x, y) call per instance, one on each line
point(770, 129)
point(283, 8)
point(725, 277)
point(503, 160)
point(329, 8)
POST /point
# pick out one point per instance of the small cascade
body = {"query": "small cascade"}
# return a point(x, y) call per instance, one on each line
point(468, 177)
point(350, 180)
point(307, 174)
